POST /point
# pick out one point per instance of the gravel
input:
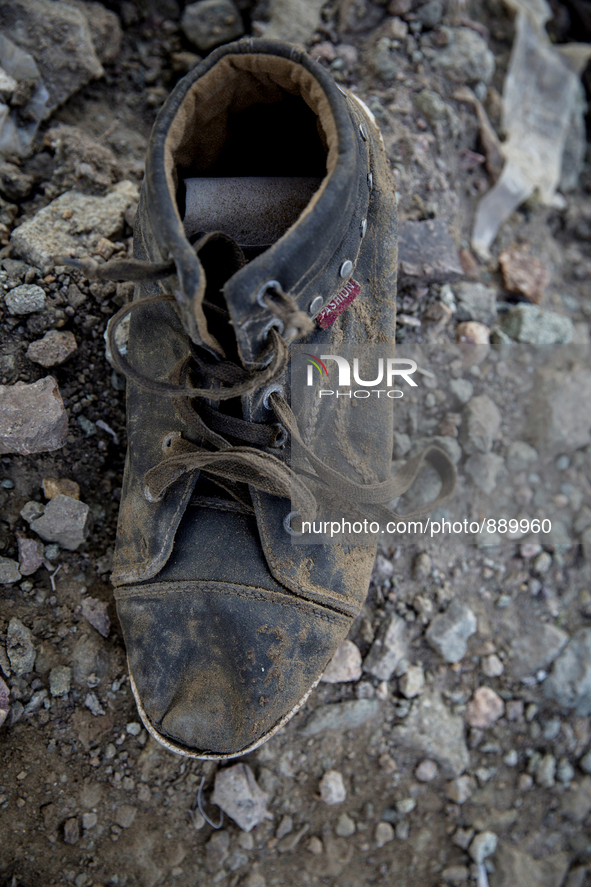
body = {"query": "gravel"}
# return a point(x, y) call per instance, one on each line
point(25, 299)
point(332, 788)
point(66, 521)
point(237, 794)
point(32, 417)
point(448, 632)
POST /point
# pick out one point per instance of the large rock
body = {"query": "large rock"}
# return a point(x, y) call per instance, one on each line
point(430, 729)
point(293, 20)
point(65, 521)
point(389, 647)
point(532, 326)
point(341, 716)
point(58, 38)
point(33, 418)
point(448, 632)
point(570, 682)
point(535, 647)
point(559, 416)
point(73, 224)
point(427, 253)
point(514, 867)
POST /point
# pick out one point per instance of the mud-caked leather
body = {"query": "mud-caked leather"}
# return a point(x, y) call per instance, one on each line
point(228, 625)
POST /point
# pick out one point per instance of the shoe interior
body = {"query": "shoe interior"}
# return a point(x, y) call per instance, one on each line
point(252, 144)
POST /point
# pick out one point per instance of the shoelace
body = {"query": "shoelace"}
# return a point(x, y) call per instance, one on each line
point(230, 465)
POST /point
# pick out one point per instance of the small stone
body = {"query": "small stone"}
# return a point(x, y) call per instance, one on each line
point(569, 684)
point(430, 14)
point(466, 58)
point(560, 408)
point(237, 794)
point(30, 555)
point(60, 679)
point(421, 567)
point(565, 772)
point(389, 647)
point(535, 647)
point(19, 647)
point(133, 728)
point(542, 563)
point(484, 470)
point(480, 426)
point(406, 805)
point(209, 23)
point(462, 837)
point(476, 301)
point(125, 815)
point(71, 830)
point(345, 826)
point(31, 510)
point(483, 846)
point(53, 486)
point(217, 851)
point(315, 846)
point(9, 571)
point(412, 683)
point(470, 332)
point(576, 803)
point(25, 299)
point(89, 820)
point(492, 667)
point(525, 782)
point(93, 705)
point(54, 348)
point(344, 666)
point(332, 787)
point(511, 758)
point(531, 325)
point(585, 762)
point(65, 521)
point(462, 390)
point(455, 874)
point(426, 771)
point(460, 789)
point(4, 702)
point(485, 708)
point(384, 833)
point(448, 633)
point(32, 417)
point(523, 273)
point(520, 456)
point(341, 716)
point(431, 729)
point(95, 613)
point(546, 771)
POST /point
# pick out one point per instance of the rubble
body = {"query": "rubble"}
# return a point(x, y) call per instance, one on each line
point(25, 299)
point(485, 708)
point(332, 787)
point(448, 632)
point(426, 253)
point(65, 521)
point(344, 666)
point(341, 716)
point(32, 417)
point(389, 647)
point(523, 274)
point(569, 683)
point(237, 794)
point(209, 23)
point(20, 647)
point(54, 348)
point(432, 730)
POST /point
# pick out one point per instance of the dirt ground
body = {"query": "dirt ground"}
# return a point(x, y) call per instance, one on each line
point(86, 796)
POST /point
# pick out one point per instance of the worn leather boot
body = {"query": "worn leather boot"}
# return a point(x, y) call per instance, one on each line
point(267, 219)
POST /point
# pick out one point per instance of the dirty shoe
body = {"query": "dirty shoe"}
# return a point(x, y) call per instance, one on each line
point(267, 220)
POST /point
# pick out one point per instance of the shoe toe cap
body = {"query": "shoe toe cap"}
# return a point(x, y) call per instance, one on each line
point(217, 669)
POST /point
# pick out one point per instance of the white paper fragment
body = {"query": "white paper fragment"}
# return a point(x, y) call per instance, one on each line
point(541, 94)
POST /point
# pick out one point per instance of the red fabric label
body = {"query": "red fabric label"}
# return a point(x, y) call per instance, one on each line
point(337, 305)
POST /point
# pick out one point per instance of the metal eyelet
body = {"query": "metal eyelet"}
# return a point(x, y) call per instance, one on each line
point(370, 180)
point(363, 132)
point(166, 441)
point(269, 285)
point(315, 305)
point(273, 324)
point(287, 524)
point(346, 268)
point(281, 437)
point(278, 388)
point(363, 227)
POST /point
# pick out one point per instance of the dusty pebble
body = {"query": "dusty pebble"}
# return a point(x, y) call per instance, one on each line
point(71, 830)
point(426, 771)
point(95, 613)
point(460, 789)
point(585, 762)
point(523, 273)
point(421, 567)
point(30, 554)
point(133, 728)
point(33, 418)
point(19, 647)
point(448, 633)
point(483, 845)
point(93, 705)
point(54, 486)
point(345, 826)
point(412, 683)
point(384, 833)
point(315, 846)
point(125, 815)
point(546, 771)
point(472, 333)
point(53, 349)
point(65, 521)
point(344, 666)
point(485, 708)
point(60, 679)
point(25, 299)
point(492, 667)
point(4, 702)
point(89, 820)
point(525, 782)
point(236, 793)
point(211, 22)
point(332, 787)
point(9, 571)
point(462, 837)
point(542, 563)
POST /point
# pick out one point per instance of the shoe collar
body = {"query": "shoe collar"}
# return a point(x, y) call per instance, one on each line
point(317, 255)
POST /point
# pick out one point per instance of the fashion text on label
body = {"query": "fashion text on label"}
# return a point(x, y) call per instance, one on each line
point(337, 305)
